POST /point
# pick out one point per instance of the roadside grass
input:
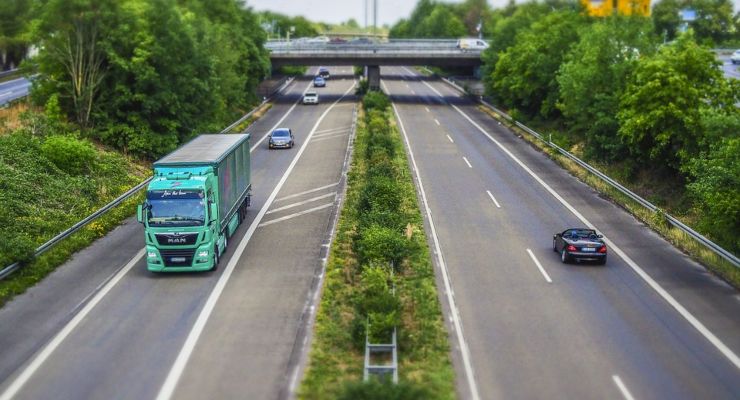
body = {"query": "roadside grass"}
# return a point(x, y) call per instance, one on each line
point(655, 220)
point(379, 246)
point(254, 117)
point(10, 116)
point(51, 178)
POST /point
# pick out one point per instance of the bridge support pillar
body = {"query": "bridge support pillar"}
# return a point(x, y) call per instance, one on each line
point(372, 74)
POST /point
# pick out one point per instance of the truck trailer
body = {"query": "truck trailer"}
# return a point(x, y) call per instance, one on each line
point(198, 196)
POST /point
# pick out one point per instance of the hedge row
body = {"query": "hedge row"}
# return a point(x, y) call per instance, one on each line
point(379, 276)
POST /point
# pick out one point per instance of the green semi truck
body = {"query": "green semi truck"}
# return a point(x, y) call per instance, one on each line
point(198, 196)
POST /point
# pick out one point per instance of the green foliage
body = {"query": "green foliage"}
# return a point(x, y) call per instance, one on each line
point(714, 22)
point(375, 390)
point(661, 110)
point(715, 186)
point(71, 155)
point(278, 25)
point(431, 19)
point(15, 15)
point(593, 78)
point(41, 189)
point(170, 68)
point(525, 74)
point(379, 225)
point(376, 101)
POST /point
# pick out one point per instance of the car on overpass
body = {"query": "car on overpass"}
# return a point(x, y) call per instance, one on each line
point(319, 82)
point(281, 138)
point(579, 244)
point(310, 98)
point(471, 44)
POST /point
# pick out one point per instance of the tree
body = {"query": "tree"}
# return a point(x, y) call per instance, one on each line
point(14, 44)
point(594, 76)
point(525, 74)
point(666, 99)
point(715, 186)
point(441, 23)
point(714, 22)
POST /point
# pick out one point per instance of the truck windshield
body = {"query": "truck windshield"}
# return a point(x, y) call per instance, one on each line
point(175, 208)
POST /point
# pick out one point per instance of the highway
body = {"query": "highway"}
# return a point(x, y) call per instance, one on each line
point(525, 326)
point(14, 89)
point(102, 326)
point(651, 324)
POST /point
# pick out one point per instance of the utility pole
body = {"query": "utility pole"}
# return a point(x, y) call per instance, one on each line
point(375, 17)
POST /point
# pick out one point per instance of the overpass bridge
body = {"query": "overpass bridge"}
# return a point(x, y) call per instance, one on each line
point(441, 53)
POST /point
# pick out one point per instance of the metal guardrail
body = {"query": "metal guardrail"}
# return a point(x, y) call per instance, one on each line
point(120, 199)
point(76, 227)
point(3, 74)
point(717, 249)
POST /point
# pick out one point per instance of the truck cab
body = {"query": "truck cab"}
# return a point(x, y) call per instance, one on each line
point(196, 199)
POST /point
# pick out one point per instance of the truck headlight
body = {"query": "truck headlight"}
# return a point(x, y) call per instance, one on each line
point(151, 254)
point(203, 253)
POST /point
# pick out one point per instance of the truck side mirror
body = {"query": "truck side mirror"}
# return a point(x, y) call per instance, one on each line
point(214, 211)
point(140, 213)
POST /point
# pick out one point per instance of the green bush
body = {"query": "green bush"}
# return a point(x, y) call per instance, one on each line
point(380, 193)
point(378, 308)
point(376, 101)
point(71, 155)
point(382, 245)
point(376, 390)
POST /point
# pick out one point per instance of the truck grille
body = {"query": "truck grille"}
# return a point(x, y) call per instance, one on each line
point(169, 239)
point(177, 257)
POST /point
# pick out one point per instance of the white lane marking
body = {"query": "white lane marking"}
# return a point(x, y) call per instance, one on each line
point(536, 261)
point(714, 340)
point(412, 92)
point(493, 198)
point(437, 122)
point(300, 203)
point(170, 383)
point(457, 324)
point(298, 214)
point(427, 108)
point(407, 85)
point(341, 135)
point(4, 93)
point(318, 189)
point(451, 141)
point(622, 388)
point(23, 378)
point(339, 129)
point(467, 162)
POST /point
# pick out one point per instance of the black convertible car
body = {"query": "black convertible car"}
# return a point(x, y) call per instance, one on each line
point(579, 244)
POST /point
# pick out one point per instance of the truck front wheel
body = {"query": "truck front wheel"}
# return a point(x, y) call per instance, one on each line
point(215, 258)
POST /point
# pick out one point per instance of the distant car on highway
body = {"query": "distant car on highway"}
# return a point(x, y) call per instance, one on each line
point(735, 57)
point(311, 98)
point(324, 72)
point(319, 82)
point(281, 138)
point(471, 44)
point(319, 39)
point(579, 244)
point(361, 40)
point(337, 40)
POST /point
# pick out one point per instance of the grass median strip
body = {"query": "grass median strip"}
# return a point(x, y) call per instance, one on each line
point(379, 275)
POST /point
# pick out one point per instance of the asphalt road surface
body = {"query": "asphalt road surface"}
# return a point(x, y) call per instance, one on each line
point(102, 326)
point(14, 89)
point(651, 324)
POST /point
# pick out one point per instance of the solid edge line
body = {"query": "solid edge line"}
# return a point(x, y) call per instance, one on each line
point(493, 198)
point(622, 387)
point(541, 268)
point(465, 352)
point(714, 340)
point(23, 378)
point(298, 214)
point(170, 383)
